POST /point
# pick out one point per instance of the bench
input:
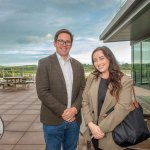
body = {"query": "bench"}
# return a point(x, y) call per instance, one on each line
point(4, 84)
point(25, 84)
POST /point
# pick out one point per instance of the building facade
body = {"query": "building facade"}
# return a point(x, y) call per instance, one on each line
point(132, 23)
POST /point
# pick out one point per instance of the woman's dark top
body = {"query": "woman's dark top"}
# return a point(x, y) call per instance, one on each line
point(101, 96)
point(101, 93)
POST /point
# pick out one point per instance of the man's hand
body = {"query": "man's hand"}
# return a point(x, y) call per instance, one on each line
point(69, 114)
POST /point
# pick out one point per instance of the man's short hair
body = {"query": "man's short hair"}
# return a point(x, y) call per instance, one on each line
point(63, 31)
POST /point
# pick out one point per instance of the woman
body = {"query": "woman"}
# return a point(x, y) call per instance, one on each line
point(106, 87)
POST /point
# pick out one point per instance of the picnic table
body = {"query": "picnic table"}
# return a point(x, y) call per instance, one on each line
point(14, 81)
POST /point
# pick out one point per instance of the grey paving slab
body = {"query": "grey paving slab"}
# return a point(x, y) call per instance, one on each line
point(20, 106)
point(25, 103)
point(26, 117)
point(11, 103)
point(37, 119)
point(11, 137)
point(33, 106)
point(6, 123)
point(18, 126)
point(4, 106)
point(15, 99)
point(29, 147)
point(32, 138)
point(31, 112)
point(6, 117)
point(13, 112)
point(36, 126)
point(30, 100)
point(37, 102)
point(5, 99)
point(6, 147)
point(2, 110)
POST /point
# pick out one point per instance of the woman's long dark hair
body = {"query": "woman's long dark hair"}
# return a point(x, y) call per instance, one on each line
point(114, 71)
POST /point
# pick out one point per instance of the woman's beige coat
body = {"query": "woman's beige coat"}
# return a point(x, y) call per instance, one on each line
point(106, 124)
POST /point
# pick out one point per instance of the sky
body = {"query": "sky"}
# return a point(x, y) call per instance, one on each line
point(27, 29)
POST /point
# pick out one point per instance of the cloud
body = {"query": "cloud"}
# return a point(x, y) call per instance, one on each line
point(28, 27)
point(36, 39)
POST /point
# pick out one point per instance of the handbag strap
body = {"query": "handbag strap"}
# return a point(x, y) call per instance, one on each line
point(134, 101)
point(134, 95)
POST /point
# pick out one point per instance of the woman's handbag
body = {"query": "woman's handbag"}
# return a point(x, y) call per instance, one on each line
point(132, 129)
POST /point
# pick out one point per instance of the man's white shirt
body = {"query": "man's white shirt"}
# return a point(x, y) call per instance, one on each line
point(68, 75)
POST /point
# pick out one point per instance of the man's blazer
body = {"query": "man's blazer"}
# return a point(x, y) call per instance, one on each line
point(106, 124)
point(51, 89)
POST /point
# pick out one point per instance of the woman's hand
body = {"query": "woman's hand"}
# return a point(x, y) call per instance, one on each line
point(97, 133)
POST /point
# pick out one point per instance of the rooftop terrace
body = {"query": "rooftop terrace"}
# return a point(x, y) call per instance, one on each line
point(20, 111)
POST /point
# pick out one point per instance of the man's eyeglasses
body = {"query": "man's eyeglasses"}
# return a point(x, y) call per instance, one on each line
point(62, 42)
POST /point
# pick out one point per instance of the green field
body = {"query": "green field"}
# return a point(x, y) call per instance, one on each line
point(30, 70)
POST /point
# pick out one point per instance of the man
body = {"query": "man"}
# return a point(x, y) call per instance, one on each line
point(60, 82)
